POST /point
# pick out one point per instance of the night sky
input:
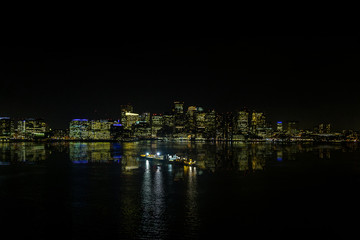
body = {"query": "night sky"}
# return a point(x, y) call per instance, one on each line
point(311, 79)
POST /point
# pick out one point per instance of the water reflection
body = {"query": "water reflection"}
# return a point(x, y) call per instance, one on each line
point(113, 192)
point(244, 157)
point(24, 152)
point(153, 201)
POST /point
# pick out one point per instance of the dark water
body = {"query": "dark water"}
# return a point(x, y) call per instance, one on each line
point(104, 191)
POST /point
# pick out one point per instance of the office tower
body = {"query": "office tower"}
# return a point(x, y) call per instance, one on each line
point(100, 129)
point(128, 119)
point(79, 129)
point(257, 122)
point(179, 118)
point(210, 125)
point(279, 127)
point(292, 127)
point(324, 128)
point(31, 128)
point(156, 124)
point(178, 107)
point(6, 127)
point(242, 122)
point(127, 108)
point(191, 121)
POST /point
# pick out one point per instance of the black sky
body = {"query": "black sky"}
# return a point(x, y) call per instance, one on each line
point(312, 79)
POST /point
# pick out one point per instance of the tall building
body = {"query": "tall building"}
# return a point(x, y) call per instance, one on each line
point(100, 129)
point(79, 129)
point(128, 119)
point(257, 122)
point(127, 108)
point(324, 128)
point(242, 122)
point(179, 119)
point(292, 127)
point(191, 121)
point(279, 127)
point(31, 128)
point(6, 127)
point(178, 107)
point(210, 125)
point(156, 124)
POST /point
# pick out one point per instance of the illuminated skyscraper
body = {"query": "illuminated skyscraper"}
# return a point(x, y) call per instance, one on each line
point(156, 124)
point(191, 121)
point(6, 127)
point(31, 128)
point(257, 122)
point(279, 127)
point(179, 118)
point(324, 128)
point(100, 129)
point(292, 127)
point(242, 122)
point(127, 108)
point(79, 129)
point(178, 107)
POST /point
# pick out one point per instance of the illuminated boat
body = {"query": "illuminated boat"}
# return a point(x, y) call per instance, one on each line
point(156, 156)
point(172, 158)
point(189, 162)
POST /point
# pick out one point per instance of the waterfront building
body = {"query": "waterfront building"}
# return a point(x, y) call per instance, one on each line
point(191, 121)
point(242, 122)
point(224, 126)
point(31, 128)
point(292, 127)
point(156, 124)
point(258, 122)
point(279, 127)
point(59, 134)
point(324, 128)
point(118, 132)
point(79, 129)
point(128, 119)
point(142, 130)
point(210, 125)
point(6, 127)
point(200, 124)
point(179, 119)
point(100, 129)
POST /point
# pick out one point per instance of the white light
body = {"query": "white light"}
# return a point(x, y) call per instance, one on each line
point(158, 154)
point(147, 153)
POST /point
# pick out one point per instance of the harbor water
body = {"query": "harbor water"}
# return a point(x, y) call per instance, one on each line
point(104, 190)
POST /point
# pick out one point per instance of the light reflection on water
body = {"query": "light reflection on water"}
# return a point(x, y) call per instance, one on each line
point(239, 156)
point(108, 190)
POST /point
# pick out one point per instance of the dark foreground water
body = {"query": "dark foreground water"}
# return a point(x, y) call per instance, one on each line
point(104, 191)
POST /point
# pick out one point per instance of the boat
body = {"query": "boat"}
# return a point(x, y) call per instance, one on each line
point(156, 156)
point(169, 158)
point(172, 158)
point(189, 162)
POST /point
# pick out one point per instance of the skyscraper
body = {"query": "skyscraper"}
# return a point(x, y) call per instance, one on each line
point(31, 128)
point(6, 127)
point(79, 129)
point(178, 107)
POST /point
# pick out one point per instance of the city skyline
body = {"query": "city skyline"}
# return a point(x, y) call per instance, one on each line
point(304, 78)
point(186, 108)
point(181, 123)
